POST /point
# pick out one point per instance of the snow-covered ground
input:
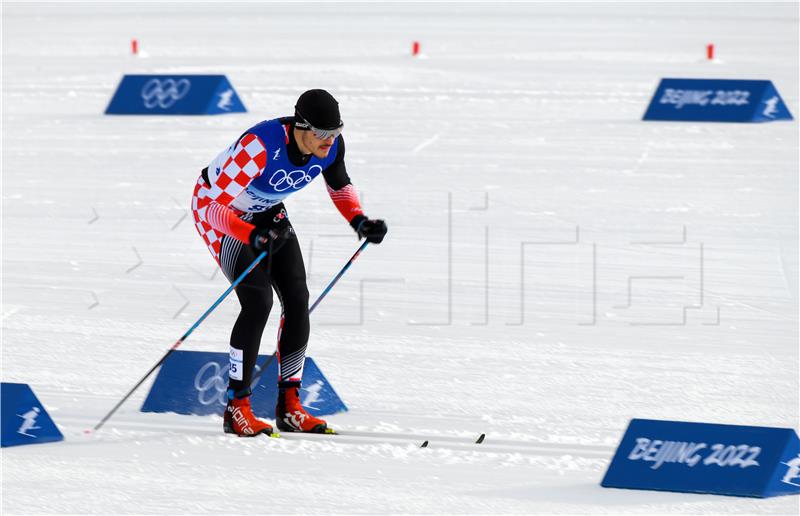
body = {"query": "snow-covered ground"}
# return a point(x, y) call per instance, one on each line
point(554, 266)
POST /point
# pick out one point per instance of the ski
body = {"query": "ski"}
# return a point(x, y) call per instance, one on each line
point(370, 437)
point(448, 442)
point(479, 440)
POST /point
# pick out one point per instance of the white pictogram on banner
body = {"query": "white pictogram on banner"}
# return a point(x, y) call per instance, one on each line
point(793, 473)
point(313, 395)
point(226, 100)
point(771, 108)
point(29, 422)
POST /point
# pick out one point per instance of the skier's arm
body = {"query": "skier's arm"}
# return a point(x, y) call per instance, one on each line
point(244, 163)
point(342, 192)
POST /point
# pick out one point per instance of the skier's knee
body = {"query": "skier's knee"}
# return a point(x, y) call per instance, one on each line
point(296, 297)
point(257, 303)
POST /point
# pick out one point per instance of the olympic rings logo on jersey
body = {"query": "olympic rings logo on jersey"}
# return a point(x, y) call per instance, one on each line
point(296, 179)
point(164, 93)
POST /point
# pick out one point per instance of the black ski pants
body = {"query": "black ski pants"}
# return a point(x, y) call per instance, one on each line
point(283, 271)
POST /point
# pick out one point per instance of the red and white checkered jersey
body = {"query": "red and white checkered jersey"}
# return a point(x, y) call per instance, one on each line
point(211, 204)
point(241, 181)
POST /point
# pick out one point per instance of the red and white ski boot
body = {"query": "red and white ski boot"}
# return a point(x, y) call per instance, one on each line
point(239, 419)
point(292, 417)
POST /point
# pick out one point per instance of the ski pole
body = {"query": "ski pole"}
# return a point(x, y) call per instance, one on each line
point(260, 369)
point(183, 338)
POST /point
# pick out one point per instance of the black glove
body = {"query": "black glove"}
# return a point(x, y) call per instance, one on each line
point(372, 229)
point(272, 237)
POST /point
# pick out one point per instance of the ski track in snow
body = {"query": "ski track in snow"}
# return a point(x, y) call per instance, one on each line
point(554, 265)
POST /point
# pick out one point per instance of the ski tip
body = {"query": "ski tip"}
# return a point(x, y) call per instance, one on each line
point(274, 435)
point(330, 431)
point(424, 445)
point(480, 439)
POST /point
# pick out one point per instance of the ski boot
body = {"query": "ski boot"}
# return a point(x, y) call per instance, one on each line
point(290, 415)
point(239, 418)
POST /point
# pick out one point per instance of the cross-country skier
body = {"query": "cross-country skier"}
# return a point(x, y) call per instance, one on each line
point(238, 210)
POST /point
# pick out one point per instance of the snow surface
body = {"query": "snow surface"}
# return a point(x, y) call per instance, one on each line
point(632, 269)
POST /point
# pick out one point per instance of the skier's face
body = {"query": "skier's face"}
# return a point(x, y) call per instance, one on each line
point(309, 143)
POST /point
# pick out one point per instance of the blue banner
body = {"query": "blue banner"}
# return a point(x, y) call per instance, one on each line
point(706, 458)
point(717, 100)
point(24, 419)
point(175, 95)
point(195, 382)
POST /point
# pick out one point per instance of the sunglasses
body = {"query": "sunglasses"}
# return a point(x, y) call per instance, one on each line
point(322, 134)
